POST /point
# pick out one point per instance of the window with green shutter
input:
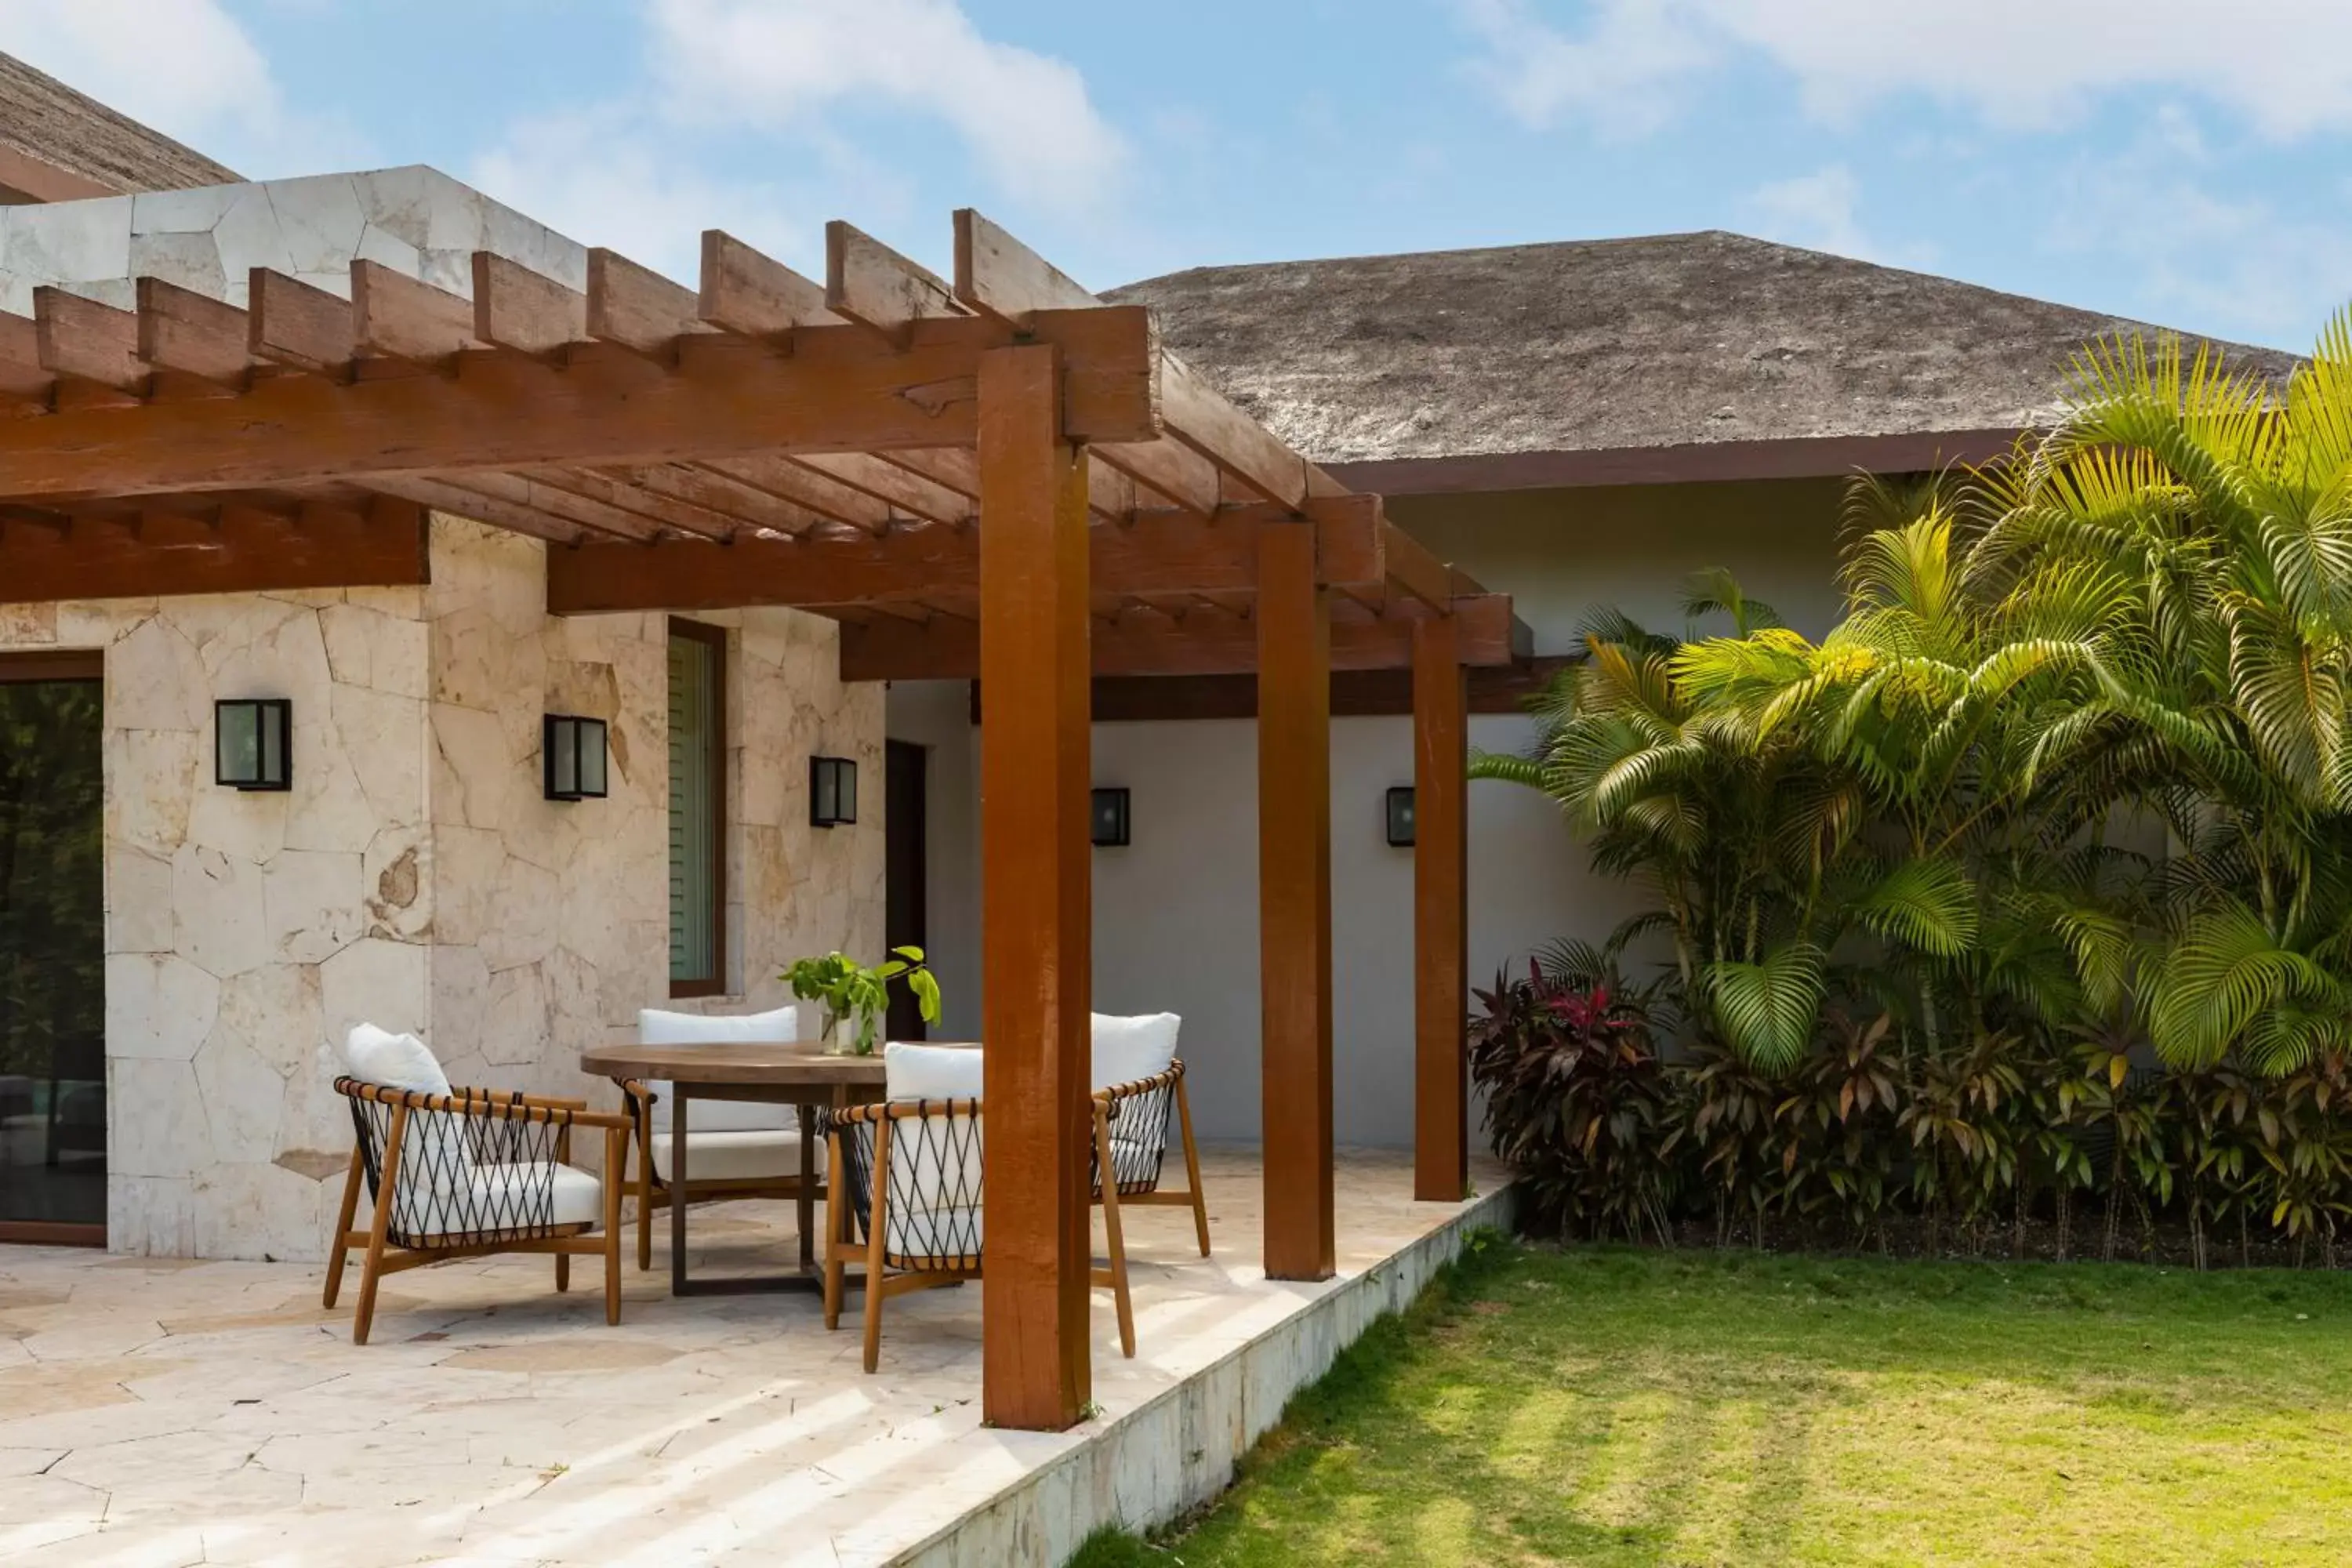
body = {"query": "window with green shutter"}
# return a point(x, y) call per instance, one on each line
point(698, 809)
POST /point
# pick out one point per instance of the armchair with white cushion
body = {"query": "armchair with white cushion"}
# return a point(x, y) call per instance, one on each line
point(741, 1149)
point(463, 1173)
point(911, 1174)
point(1138, 1078)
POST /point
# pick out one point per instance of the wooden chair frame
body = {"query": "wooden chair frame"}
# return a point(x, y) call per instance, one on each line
point(1115, 1099)
point(384, 1256)
point(653, 1193)
point(890, 1274)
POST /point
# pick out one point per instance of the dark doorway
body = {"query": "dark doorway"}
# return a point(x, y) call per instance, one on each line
point(52, 951)
point(904, 812)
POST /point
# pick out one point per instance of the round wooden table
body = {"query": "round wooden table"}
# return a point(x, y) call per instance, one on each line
point(803, 1074)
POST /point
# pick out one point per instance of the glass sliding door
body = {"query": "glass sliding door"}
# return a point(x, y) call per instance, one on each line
point(52, 951)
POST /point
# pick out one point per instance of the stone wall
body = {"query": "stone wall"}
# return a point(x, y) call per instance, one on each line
point(244, 930)
point(413, 876)
point(551, 924)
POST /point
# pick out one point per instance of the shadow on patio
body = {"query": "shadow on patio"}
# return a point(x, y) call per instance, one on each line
point(158, 1412)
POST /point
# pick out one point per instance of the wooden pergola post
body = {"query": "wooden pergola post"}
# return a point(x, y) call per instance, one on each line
point(1294, 868)
point(1441, 1104)
point(1035, 896)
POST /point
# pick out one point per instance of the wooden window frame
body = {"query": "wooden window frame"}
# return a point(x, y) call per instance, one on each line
point(714, 638)
point(26, 667)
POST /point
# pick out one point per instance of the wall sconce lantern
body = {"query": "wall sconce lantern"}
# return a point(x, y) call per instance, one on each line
point(833, 792)
point(253, 743)
point(1110, 819)
point(572, 750)
point(1401, 817)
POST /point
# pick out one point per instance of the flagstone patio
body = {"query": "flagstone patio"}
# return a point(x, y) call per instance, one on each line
point(161, 1412)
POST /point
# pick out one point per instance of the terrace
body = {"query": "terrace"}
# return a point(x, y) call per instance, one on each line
point(162, 1411)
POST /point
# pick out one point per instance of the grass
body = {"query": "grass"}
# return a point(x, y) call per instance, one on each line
point(1615, 1406)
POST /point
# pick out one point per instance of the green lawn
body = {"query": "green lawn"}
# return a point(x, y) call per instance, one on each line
point(1618, 1406)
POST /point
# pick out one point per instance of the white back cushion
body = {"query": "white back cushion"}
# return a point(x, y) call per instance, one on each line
point(396, 1062)
point(935, 1163)
point(656, 1026)
point(929, 1072)
point(1126, 1050)
point(433, 1152)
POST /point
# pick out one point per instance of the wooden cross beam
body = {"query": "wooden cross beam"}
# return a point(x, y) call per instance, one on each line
point(1157, 552)
point(236, 547)
point(836, 389)
point(1207, 643)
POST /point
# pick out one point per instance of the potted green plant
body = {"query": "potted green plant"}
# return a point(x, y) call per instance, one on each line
point(855, 997)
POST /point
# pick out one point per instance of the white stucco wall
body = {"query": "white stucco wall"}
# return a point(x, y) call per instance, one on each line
point(1176, 912)
point(415, 876)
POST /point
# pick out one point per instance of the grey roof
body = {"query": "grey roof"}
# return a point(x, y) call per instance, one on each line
point(44, 117)
point(1613, 345)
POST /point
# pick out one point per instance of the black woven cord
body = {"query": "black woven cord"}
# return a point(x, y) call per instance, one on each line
point(462, 1178)
point(1139, 1138)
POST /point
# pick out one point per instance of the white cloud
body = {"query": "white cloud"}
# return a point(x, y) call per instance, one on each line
point(781, 64)
point(181, 66)
point(1615, 73)
point(2230, 264)
point(602, 179)
point(2286, 66)
point(1815, 210)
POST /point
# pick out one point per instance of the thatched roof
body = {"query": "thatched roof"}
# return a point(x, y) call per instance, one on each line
point(1711, 341)
point(43, 119)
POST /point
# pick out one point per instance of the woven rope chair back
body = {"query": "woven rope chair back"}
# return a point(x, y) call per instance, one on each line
point(931, 1209)
point(1139, 1132)
point(484, 1177)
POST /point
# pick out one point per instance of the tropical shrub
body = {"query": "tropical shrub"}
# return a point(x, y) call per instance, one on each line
point(2064, 798)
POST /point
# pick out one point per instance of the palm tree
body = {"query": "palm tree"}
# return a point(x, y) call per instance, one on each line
point(2224, 512)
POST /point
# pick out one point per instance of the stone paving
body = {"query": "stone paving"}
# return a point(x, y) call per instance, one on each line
point(156, 1413)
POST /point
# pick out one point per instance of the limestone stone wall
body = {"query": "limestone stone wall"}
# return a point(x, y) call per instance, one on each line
point(551, 924)
point(244, 929)
point(413, 876)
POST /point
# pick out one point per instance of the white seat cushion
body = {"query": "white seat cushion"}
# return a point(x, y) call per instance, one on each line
point(736, 1156)
point(503, 1197)
point(658, 1026)
point(933, 1233)
point(1127, 1050)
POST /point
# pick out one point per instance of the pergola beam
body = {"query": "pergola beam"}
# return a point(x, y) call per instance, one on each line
point(241, 549)
point(496, 410)
point(1157, 553)
point(1035, 903)
point(1294, 634)
point(1441, 762)
point(1204, 643)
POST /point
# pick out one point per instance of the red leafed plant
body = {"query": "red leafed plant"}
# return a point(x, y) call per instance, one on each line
point(1575, 1097)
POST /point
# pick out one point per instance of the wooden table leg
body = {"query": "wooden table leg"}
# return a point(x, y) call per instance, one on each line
point(808, 1204)
point(677, 1285)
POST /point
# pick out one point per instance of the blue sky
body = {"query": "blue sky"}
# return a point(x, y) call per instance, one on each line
point(2188, 162)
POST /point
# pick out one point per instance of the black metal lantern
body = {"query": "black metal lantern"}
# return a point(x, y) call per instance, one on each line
point(1110, 818)
point(573, 753)
point(1399, 818)
point(253, 743)
point(833, 792)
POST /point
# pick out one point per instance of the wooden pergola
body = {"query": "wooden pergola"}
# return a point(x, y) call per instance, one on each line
point(998, 476)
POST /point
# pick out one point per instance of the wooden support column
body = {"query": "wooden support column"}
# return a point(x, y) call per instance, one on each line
point(1293, 869)
point(1037, 903)
point(1440, 760)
